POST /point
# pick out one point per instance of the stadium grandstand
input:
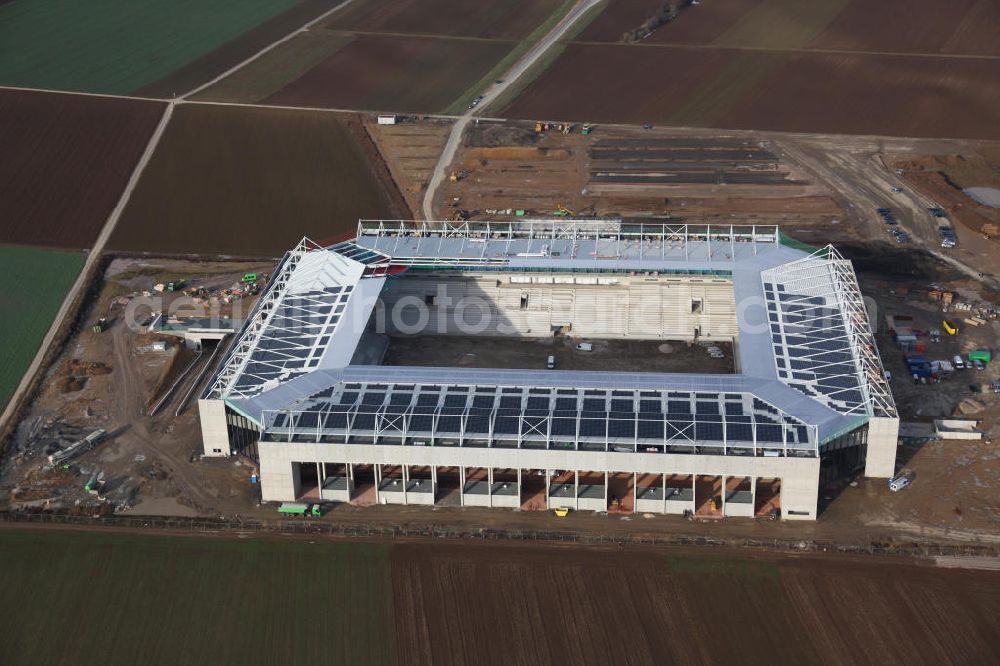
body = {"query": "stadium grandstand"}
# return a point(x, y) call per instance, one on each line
point(304, 392)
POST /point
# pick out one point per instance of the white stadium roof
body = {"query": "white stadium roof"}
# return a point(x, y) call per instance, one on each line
point(809, 366)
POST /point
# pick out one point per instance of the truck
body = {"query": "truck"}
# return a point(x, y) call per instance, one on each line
point(942, 369)
point(918, 366)
point(78, 447)
point(585, 346)
point(900, 482)
point(300, 509)
point(249, 277)
point(176, 285)
point(981, 355)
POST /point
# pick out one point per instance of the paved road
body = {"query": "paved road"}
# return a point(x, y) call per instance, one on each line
point(494, 91)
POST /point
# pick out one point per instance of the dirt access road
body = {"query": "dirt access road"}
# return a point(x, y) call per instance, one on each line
point(83, 279)
point(494, 91)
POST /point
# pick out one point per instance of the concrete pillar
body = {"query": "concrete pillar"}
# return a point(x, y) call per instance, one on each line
point(406, 482)
point(800, 493)
point(664, 493)
point(723, 507)
point(753, 493)
point(461, 486)
point(635, 490)
point(548, 480)
point(214, 429)
point(489, 484)
point(605, 491)
point(576, 488)
point(520, 488)
point(883, 438)
point(378, 482)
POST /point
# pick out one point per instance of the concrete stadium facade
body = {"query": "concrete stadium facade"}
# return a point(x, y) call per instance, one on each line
point(302, 390)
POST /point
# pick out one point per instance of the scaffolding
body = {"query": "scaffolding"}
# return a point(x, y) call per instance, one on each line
point(471, 243)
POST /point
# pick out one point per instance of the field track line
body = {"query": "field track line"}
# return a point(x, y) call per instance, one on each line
point(83, 94)
point(507, 78)
point(266, 49)
point(728, 47)
point(420, 35)
point(93, 256)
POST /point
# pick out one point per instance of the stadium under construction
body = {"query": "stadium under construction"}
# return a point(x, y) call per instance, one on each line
point(303, 390)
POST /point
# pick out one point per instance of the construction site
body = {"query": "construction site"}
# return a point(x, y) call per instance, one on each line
point(303, 389)
point(115, 421)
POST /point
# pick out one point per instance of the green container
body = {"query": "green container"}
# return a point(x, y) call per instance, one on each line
point(983, 355)
point(293, 508)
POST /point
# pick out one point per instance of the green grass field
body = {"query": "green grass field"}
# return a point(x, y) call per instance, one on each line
point(116, 598)
point(28, 302)
point(116, 46)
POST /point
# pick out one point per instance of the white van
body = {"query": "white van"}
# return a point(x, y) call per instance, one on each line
point(897, 484)
point(551, 362)
point(958, 362)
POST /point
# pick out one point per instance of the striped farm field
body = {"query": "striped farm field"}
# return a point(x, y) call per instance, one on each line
point(252, 181)
point(36, 283)
point(66, 161)
point(124, 47)
point(410, 56)
point(912, 68)
point(153, 600)
point(168, 599)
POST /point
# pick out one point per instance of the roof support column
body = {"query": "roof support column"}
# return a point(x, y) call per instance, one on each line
point(548, 482)
point(461, 486)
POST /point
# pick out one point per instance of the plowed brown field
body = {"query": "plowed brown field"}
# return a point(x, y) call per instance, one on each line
point(622, 84)
point(890, 95)
point(501, 19)
point(915, 26)
point(799, 92)
point(911, 26)
point(252, 181)
point(517, 605)
point(699, 24)
point(919, 68)
point(65, 162)
point(393, 73)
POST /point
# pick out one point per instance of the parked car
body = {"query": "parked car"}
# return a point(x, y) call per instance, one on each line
point(900, 482)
